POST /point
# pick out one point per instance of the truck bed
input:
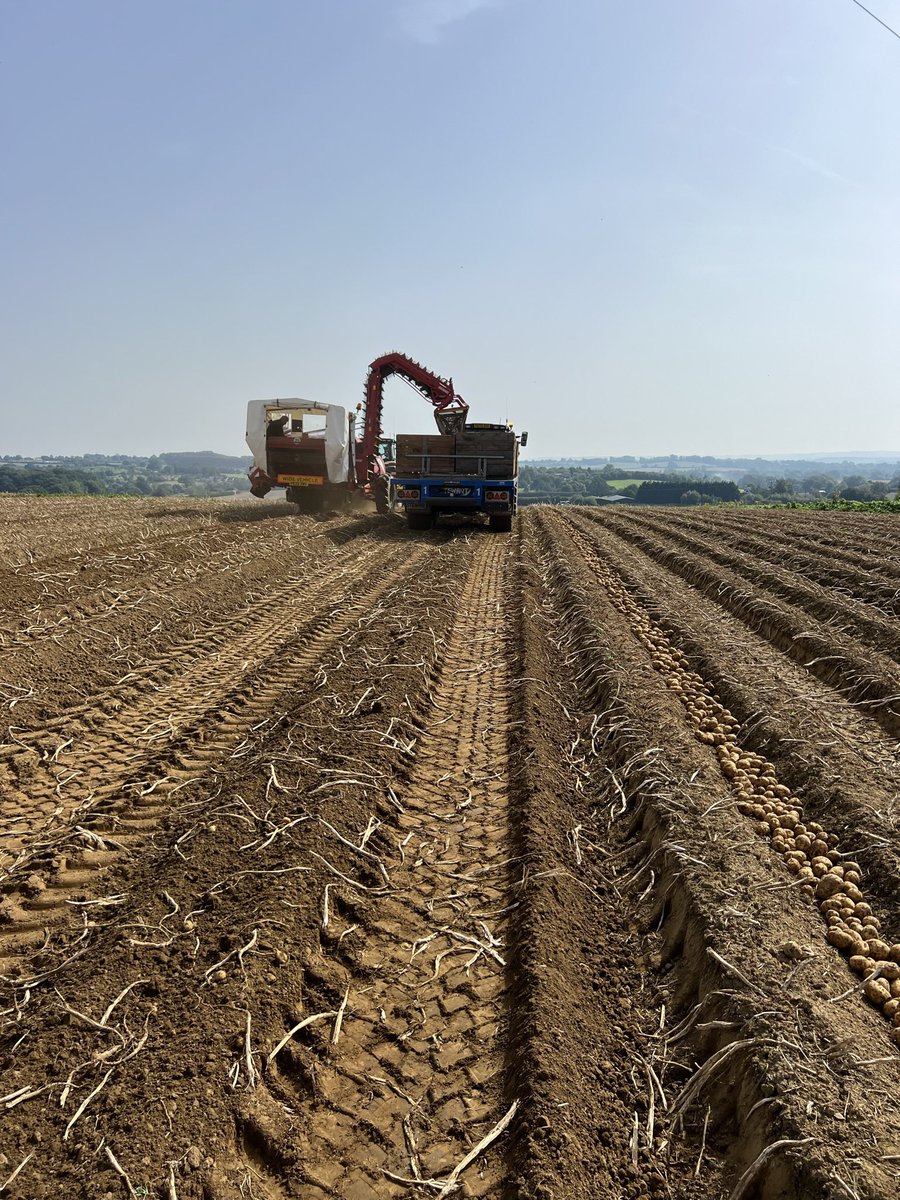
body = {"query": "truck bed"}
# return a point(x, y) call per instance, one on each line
point(473, 471)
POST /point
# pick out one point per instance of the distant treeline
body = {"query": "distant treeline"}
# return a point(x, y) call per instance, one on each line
point(580, 485)
point(630, 466)
point(200, 473)
point(686, 491)
point(566, 481)
point(589, 485)
point(56, 481)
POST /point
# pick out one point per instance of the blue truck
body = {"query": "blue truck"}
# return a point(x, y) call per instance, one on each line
point(472, 470)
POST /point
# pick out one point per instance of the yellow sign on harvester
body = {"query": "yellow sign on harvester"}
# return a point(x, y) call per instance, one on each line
point(301, 480)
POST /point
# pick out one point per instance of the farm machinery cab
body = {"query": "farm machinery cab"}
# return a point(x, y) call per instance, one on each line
point(304, 447)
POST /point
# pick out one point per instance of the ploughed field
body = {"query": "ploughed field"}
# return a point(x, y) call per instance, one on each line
point(342, 861)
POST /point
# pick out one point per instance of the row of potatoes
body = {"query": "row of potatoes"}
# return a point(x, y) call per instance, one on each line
point(809, 852)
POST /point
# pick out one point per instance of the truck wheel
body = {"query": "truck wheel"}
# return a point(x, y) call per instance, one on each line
point(381, 491)
point(500, 522)
point(420, 520)
point(307, 499)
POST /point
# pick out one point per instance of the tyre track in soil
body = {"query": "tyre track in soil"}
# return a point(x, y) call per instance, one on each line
point(842, 613)
point(157, 692)
point(863, 676)
point(125, 524)
point(108, 791)
point(108, 583)
point(702, 912)
point(416, 1077)
point(60, 673)
point(374, 679)
point(827, 568)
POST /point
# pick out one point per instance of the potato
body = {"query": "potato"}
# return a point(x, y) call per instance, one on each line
point(829, 885)
point(877, 991)
point(889, 971)
point(890, 1007)
point(878, 948)
point(842, 939)
point(860, 963)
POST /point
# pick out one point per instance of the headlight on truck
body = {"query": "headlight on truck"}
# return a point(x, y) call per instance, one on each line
point(500, 496)
point(407, 493)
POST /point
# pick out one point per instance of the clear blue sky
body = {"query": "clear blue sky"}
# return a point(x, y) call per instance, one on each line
point(631, 228)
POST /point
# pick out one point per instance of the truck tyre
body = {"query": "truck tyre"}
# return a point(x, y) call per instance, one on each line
point(381, 491)
point(500, 522)
point(420, 520)
point(307, 499)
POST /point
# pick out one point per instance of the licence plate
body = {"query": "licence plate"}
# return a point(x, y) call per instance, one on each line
point(457, 491)
point(301, 480)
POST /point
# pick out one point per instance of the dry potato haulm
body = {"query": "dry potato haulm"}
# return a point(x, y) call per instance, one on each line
point(344, 860)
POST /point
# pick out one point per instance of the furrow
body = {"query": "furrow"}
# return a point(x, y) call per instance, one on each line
point(853, 617)
point(864, 677)
point(826, 566)
point(725, 916)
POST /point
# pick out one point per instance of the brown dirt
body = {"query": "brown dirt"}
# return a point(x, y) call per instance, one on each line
point(328, 847)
